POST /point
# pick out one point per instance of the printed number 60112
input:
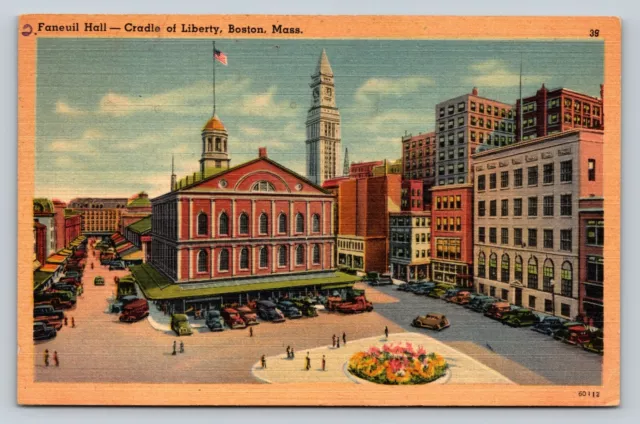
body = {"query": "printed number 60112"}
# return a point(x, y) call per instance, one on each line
point(583, 393)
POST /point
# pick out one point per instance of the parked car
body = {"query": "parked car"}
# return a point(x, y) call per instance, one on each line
point(233, 318)
point(117, 265)
point(460, 298)
point(47, 310)
point(180, 324)
point(76, 290)
point(289, 310)
point(497, 309)
point(73, 274)
point(575, 335)
point(596, 343)
point(117, 306)
point(439, 290)
point(548, 325)
point(98, 281)
point(42, 331)
point(403, 287)
point(58, 299)
point(214, 320)
point(357, 305)
point(71, 280)
point(476, 301)
point(268, 311)
point(385, 279)
point(419, 287)
point(135, 310)
point(432, 321)
point(306, 307)
point(51, 321)
point(521, 318)
point(451, 292)
point(248, 316)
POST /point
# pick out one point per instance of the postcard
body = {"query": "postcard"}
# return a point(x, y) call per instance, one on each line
point(319, 210)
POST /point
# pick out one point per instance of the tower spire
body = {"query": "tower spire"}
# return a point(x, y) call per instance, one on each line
point(345, 167)
point(521, 105)
point(173, 174)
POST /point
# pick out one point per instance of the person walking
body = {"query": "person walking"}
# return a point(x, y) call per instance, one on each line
point(338, 343)
point(181, 347)
point(55, 358)
point(174, 347)
point(250, 331)
point(46, 357)
point(333, 339)
point(324, 363)
point(288, 352)
point(263, 362)
point(293, 355)
point(386, 332)
point(344, 338)
point(73, 322)
point(65, 321)
point(308, 361)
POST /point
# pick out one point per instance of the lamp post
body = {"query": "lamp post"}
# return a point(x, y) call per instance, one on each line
point(553, 297)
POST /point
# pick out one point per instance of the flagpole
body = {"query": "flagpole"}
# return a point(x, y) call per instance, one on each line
point(521, 105)
point(214, 77)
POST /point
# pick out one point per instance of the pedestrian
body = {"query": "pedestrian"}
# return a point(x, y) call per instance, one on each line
point(293, 355)
point(308, 361)
point(73, 323)
point(174, 347)
point(333, 339)
point(263, 362)
point(324, 363)
point(181, 347)
point(344, 338)
point(338, 343)
point(65, 321)
point(386, 332)
point(55, 358)
point(46, 357)
point(288, 352)
point(250, 331)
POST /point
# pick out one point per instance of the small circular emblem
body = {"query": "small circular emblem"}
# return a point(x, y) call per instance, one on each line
point(222, 183)
point(298, 187)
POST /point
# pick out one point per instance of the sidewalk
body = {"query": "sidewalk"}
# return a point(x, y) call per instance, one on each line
point(464, 369)
point(161, 322)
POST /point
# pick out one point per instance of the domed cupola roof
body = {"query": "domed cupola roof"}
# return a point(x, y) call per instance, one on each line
point(214, 124)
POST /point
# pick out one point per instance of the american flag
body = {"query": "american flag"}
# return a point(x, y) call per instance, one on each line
point(220, 57)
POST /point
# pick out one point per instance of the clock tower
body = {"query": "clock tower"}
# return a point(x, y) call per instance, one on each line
point(323, 125)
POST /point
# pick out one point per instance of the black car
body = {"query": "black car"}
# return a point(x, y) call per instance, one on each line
point(289, 310)
point(117, 265)
point(65, 287)
point(47, 311)
point(548, 325)
point(42, 331)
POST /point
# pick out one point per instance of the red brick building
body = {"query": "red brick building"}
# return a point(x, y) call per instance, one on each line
point(591, 274)
point(40, 242)
point(363, 211)
point(452, 234)
point(412, 196)
point(558, 110)
point(419, 157)
point(363, 169)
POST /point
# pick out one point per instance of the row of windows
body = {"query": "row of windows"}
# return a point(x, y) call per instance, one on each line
point(448, 202)
point(451, 168)
point(243, 263)
point(351, 245)
point(448, 224)
point(420, 237)
point(548, 209)
point(451, 180)
point(263, 223)
point(548, 272)
point(480, 107)
point(448, 249)
point(565, 309)
point(413, 144)
point(406, 221)
point(399, 252)
point(548, 175)
point(566, 239)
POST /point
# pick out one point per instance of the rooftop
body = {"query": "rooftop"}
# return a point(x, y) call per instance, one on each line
point(214, 124)
point(141, 200)
point(141, 227)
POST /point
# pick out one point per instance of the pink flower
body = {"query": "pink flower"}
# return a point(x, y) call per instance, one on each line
point(409, 348)
point(374, 351)
point(421, 351)
point(395, 365)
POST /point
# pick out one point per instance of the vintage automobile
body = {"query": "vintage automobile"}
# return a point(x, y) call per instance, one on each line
point(98, 281)
point(452, 292)
point(117, 306)
point(357, 305)
point(381, 280)
point(596, 343)
point(67, 287)
point(548, 325)
point(73, 274)
point(268, 311)
point(50, 320)
point(42, 331)
point(497, 310)
point(117, 265)
point(424, 289)
point(248, 316)
point(47, 310)
point(416, 287)
point(439, 291)
point(135, 310)
point(306, 307)
point(214, 320)
point(460, 298)
point(432, 321)
point(58, 299)
point(477, 300)
point(521, 318)
point(233, 318)
point(575, 335)
point(289, 310)
point(180, 325)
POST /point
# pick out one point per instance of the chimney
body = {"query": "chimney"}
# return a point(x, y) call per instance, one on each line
point(474, 91)
point(262, 152)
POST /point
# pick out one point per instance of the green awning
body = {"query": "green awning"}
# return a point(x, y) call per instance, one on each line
point(156, 286)
point(40, 278)
point(337, 286)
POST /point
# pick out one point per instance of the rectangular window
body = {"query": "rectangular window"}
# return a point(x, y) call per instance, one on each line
point(595, 269)
point(493, 235)
point(481, 208)
point(547, 177)
point(592, 169)
point(532, 302)
point(504, 237)
point(458, 224)
point(533, 206)
point(566, 171)
point(548, 306)
point(481, 182)
point(547, 205)
point(517, 236)
point(565, 205)
point(517, 207)
point(438, 202)
point(481, 235)
point(595, 233)
point(532, 175)
point(565, 240)
point(492, 291)
point(504, 207)
point(493, 207)
point(451, 204)
point(438, 224)
point(504, 179)
point(517, 177)
point(548, 239)
point(460, 106)
point(504, 294)
point(458, 202)
point(473, 106)
point(565, 310)
point(533, 237)
point(492, 181)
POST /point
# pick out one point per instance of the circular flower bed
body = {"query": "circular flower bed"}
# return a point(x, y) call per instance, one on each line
point(397, 364)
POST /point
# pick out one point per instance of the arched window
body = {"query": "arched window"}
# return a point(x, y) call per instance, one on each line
point(218, 145)
point(547, 275)
point(223, 264)
point(282, 223)
point(265, 186)
point(244, 258)
point(517, 269)
point(532, 273)
point(315, 223)
point(223, 225)
point(264, 257)
point(504, 268)
point(209, 144)
point(282, 256)
point(299, 223)
point(316, 254)
point(566, 275)
point(482, 268)
point(202, 224)
point(300, 255)
point(493, 267)
point(264, 223)
point(244, 224)
point(203, 260)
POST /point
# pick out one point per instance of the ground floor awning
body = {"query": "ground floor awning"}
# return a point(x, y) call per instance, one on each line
point(156, 286)
point(49, 268)
point(65, 252)
point(40, 278)
point(134, 255)
point(124, 247)
point(56, 259)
